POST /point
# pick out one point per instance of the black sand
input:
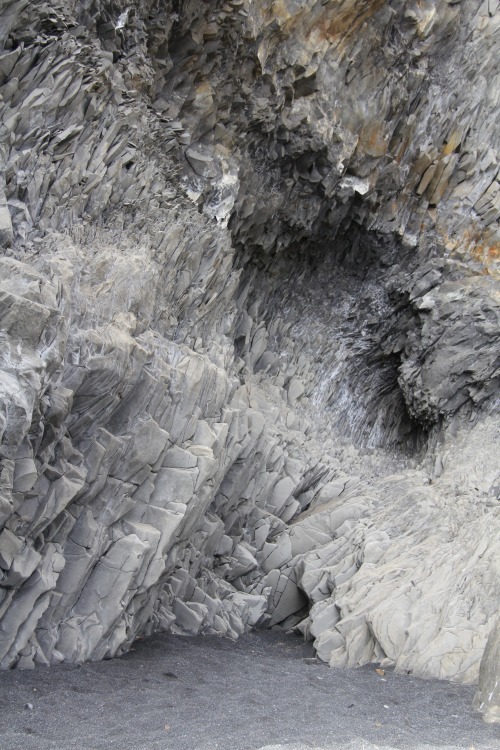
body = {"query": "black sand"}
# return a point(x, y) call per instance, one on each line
point(208, 693)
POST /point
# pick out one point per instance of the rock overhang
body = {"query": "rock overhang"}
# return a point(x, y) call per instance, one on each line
point(252, 198)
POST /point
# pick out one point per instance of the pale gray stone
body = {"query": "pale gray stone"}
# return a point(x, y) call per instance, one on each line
point(10, 547)
point(487, 699)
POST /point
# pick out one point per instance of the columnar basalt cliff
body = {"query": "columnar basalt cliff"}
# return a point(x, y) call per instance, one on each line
point(249, 320)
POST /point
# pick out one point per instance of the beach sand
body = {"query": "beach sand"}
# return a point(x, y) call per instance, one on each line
point(266, 690)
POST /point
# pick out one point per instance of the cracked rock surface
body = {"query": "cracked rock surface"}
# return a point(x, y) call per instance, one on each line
point(249, 327)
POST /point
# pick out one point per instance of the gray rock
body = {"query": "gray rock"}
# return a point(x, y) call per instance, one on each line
point(487, 699)
point(249, 327)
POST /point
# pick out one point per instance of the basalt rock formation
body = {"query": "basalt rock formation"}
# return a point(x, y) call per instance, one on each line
point(249, 320)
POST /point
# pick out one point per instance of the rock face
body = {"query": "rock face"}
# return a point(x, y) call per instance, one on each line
point(249, 315)
point(487, 698)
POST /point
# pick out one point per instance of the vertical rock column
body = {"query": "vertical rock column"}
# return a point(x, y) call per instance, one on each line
point(487, 698)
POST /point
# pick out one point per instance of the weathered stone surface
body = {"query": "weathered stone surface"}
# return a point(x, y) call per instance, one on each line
point(487, 698)
point(249, 326)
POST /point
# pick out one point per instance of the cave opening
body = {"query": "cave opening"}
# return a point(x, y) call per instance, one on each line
point(333, 321)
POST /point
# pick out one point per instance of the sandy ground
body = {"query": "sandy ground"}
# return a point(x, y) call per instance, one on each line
point(266, 690)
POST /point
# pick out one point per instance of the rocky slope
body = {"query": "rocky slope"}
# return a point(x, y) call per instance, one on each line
point(250, 327)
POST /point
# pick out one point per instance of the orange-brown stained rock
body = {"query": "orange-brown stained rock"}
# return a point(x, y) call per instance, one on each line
point(348, 18)
point(453, 142)
point(489, 255)
point(371, 140)
point(477, 245)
